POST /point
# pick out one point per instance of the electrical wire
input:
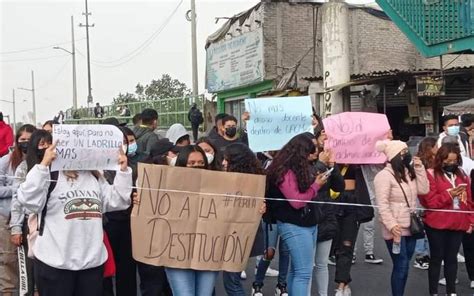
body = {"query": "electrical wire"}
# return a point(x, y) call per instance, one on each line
point(54, 77)
point(38, 48)
point(33, 59)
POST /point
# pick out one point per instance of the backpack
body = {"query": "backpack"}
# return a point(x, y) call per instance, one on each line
point(196, 116)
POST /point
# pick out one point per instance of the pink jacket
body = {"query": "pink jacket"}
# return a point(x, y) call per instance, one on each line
point(393, 208)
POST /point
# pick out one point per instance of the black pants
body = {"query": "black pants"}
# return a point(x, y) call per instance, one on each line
point(343, 244)
point(120, 238)
point(468, 247)
point(195, 127)
point(444, 246)
point(153, 281)
point(59, 282)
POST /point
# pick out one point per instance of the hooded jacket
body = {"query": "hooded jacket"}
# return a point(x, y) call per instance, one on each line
point(6, 138)
point(146, 138)
point(175, 132)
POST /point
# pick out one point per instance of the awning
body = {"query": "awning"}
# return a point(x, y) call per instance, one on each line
point(464, 107)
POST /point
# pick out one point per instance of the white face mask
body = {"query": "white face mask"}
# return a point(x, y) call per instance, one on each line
point(210, 158)
point(172, 161)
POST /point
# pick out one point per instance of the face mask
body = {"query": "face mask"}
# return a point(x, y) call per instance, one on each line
point(407, 160)
point(453, 130)
point(132, 149)
point(210, 157)
point(172, 161)
point(231, 131)
point(450, 168)
point(23, 147)
point(40, 153)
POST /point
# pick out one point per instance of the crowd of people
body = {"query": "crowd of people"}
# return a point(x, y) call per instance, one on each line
point(73, 255)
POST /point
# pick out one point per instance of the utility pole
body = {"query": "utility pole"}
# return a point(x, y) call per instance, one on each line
point(14, 111)
point(194, 49)
point(89, 96)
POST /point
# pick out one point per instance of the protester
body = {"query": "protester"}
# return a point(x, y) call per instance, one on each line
point(216, 132)
point(48, 125)
point(427, 150)
point(449, 189)
point(214, 158)
point(8, 166)
point(98, 111)
point(290, 177)
point(124, 111)
point(189, 281)
point(69, 248)
point(137, 119)
point(467, 164)
point(238, 158)
point(229, 132)
point(6, 136)
point(59, 118)
point(451, 127)
point(467, 131)
point(396, 189)
point(145, 132)
point(178, 135)
point(196, 118)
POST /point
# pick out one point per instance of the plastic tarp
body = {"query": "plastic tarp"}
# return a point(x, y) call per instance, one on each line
point(464, 107)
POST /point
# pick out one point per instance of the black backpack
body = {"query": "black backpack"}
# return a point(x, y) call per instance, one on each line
point(196, 116)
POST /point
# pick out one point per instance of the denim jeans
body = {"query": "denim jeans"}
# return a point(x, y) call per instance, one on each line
point(321, 270)
point(422, 248)
point(189, 282)
point(232, 284)
point(301, 243)
point(271, 234)
point(401, 263)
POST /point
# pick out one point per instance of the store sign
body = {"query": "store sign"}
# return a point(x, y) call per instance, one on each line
point(430, 86)
point(235, 62)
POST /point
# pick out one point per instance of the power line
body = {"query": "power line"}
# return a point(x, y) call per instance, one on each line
point(54, 77)
point(33, 59)
point(36, 48)
point(128, 57)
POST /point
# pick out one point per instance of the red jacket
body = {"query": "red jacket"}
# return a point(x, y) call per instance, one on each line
point(6, 138)
point(439, 198)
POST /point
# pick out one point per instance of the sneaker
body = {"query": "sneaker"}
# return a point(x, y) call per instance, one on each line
point(339, 292)
point(281, 290)
point(442, 281)
point(372, 259)
point(472, 285)
point(243, 275)
point(332, 260)
point(354, 259)
point(420, 263)
point(461, 258)
point(271, 272)
point(257, 289)
point(347, 291)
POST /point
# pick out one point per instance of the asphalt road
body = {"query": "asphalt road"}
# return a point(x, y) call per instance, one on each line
point(368, 279)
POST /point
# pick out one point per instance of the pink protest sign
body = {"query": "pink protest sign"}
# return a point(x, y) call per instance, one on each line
point(352, 136)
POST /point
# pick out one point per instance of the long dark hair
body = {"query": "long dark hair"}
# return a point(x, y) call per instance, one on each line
point(183, 156)
point(293, 156)
point(425, 152)
point(17, 156)
point(32, 157)
point(216, 164)
point(240, 159)
point(442, 154)
point(399, 169)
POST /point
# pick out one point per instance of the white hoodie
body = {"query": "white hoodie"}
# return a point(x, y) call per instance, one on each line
point(73, 235)
point(175, 132)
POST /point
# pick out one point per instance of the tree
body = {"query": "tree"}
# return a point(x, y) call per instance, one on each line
point(124, 98)
point(165, 88)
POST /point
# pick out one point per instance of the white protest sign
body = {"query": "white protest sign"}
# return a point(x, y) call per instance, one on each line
point(274, 121)
point(86, 147)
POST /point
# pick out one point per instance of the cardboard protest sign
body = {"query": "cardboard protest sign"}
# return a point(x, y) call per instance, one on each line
point(352, 136)
point(274, 121)
point(194, 218)
point(86, 147)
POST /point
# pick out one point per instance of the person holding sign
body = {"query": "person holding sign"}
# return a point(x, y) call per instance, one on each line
point(69, 247)
point(291, 184)
point(229, 132)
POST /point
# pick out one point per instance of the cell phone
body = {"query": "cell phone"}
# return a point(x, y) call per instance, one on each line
point(327, 173)
point(463, 185)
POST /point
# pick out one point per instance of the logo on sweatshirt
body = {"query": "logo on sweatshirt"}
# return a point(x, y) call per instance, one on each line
point(83, 209)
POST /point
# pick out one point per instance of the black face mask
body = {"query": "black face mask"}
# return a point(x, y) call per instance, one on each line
point(40, 153)
point(23, 147)
point(407, 158)
point(231, 131)
point(450, 168)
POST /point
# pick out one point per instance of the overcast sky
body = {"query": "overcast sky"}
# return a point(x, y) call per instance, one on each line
point(117, 66)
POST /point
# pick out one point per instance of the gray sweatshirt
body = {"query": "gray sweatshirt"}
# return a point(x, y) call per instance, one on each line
point(73, 235)
point(6, 185)
point(17, 210)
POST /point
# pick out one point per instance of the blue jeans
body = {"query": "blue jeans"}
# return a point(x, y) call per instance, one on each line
point(284, 257)
point(232, 284)
point(189, 282)
point(422, 247)
point(321, 272)
point(301, 243)
point(401, 263)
